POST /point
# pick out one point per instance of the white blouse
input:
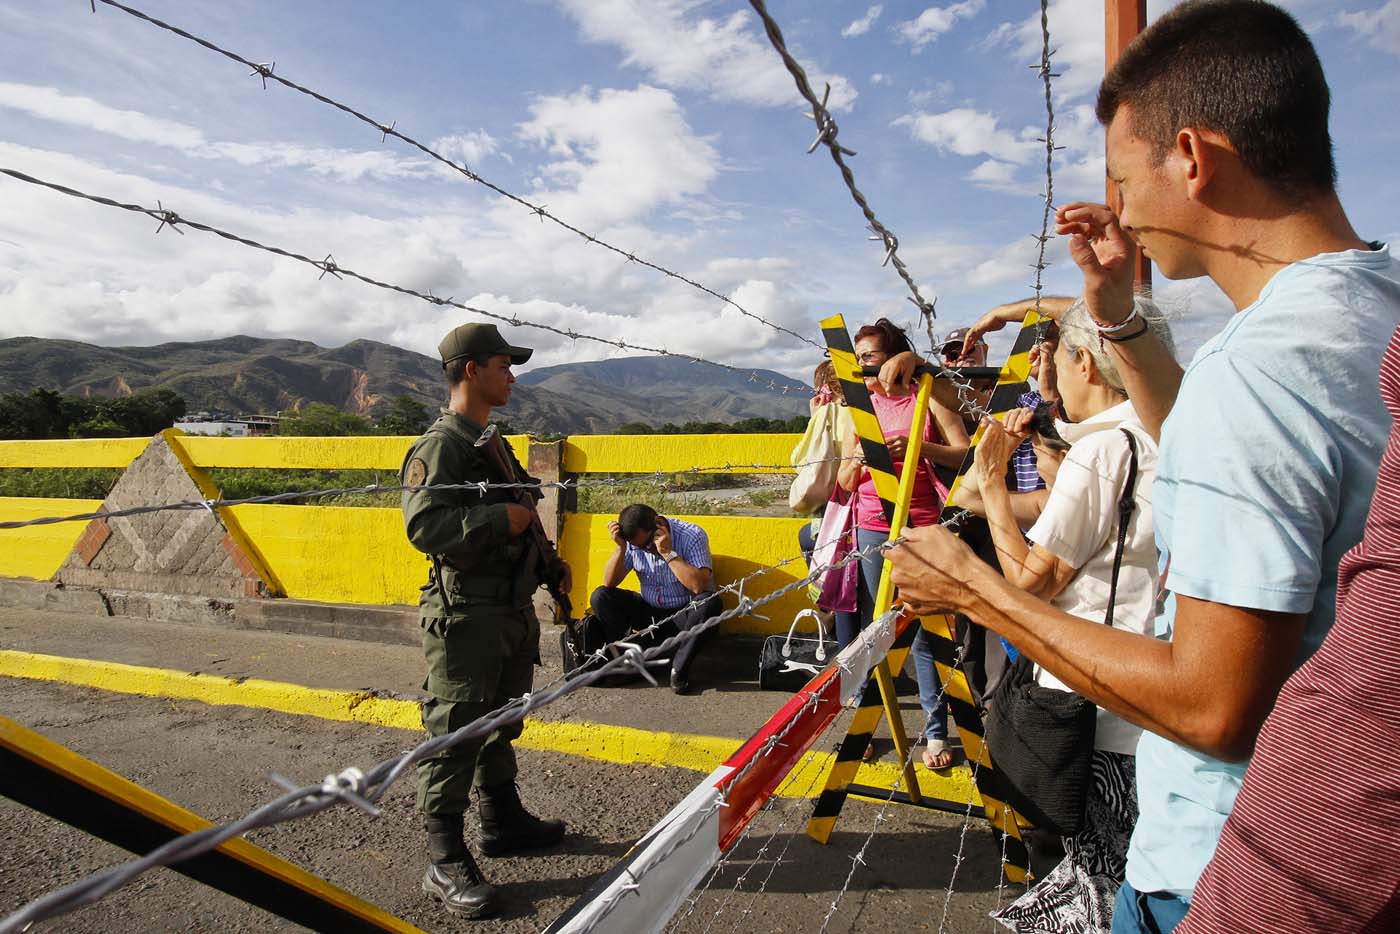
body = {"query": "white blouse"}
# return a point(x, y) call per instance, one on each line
point(1079, 525)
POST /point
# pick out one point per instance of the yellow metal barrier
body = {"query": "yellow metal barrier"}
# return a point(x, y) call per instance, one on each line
point(278, 453)
point(340, 554)
point(38, 550)
point(669, 453)
point(82, 452)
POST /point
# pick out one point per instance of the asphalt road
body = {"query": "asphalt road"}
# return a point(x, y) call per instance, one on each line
point(214, 760)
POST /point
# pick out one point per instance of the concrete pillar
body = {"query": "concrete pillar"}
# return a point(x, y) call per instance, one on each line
point(547, 465)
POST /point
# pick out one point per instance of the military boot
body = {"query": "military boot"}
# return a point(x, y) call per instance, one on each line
point(453, 876)
point(506, 826)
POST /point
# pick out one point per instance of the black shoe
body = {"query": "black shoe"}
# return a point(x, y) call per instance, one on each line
point(680, 684)
point(507, 827)
point(461, 887)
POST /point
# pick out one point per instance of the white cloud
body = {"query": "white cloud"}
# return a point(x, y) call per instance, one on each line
point(467, 148)
point(616, 154)
point(967, 132)
point(52, 105)
point(1379, 27)
point(1076, 39)
point(862, 26)
point(935, 21)
point(881, 78)
point(729, 58)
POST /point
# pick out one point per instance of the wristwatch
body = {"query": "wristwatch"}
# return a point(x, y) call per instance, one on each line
point(670, 556)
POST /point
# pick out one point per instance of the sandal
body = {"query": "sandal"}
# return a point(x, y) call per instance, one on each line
point(937, 756)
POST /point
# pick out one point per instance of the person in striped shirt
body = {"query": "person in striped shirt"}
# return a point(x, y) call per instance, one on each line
point(672, 561)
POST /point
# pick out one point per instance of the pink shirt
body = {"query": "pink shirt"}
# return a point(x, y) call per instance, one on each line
point(895, 414)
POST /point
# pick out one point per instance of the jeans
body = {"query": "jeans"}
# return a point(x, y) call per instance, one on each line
point(1137, 912)
point(930, 695)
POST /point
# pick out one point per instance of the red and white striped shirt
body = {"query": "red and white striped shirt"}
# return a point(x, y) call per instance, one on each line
point(1313, 843)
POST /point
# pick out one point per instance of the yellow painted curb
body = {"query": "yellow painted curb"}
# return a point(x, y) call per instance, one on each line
point(598, 741)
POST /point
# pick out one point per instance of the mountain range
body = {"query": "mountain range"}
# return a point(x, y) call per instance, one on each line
point(250, 375)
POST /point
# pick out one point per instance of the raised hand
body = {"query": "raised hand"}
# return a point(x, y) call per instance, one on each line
point(1105, 255)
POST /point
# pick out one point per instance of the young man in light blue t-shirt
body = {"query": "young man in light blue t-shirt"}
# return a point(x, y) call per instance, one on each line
point(1217, 139)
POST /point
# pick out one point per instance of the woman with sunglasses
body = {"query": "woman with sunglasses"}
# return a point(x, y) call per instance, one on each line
point(945, 443)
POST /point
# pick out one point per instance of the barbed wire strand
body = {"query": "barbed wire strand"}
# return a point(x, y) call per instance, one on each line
point(362, 789)
point(792, 807)
point(962, 843)
point(480, 487)
point(858, 859)
point(171, 219)
point(1043, 68)
point(267, 72)
point(826, 135)
point(767, 808)
point(637, 872)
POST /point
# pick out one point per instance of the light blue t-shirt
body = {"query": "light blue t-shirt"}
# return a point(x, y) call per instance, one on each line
point(1268, 462)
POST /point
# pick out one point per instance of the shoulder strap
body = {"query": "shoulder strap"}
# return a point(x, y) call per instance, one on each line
point(1126, 504)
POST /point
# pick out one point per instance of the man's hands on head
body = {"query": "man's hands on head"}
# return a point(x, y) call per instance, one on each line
point(662, 541)
point(1104, 254)
point(615, 530)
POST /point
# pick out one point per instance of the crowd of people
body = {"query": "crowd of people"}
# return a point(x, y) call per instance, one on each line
point(1188, 561)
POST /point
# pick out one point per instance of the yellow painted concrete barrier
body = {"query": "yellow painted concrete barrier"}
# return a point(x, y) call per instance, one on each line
point(337, 554)
point(668, 453)
point(357, 453)
point(80, 452)
point(38, 550)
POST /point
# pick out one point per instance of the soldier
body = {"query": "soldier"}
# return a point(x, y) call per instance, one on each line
point(480, 634)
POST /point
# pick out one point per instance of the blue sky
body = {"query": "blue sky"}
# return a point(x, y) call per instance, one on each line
point(665, 126)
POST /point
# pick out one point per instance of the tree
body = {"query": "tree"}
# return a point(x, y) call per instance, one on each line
point(403, 415)
point(321, 419)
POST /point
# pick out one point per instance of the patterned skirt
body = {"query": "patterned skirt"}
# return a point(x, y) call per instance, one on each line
point(1076, 897)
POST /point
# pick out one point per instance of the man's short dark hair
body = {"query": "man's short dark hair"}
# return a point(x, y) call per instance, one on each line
point(1242, 68)
point(636, 518)
point(456, 370)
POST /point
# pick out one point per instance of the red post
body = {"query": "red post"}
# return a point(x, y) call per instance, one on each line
point(1124, 19)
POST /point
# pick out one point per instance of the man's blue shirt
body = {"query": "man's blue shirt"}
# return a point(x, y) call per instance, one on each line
point(1268, 463)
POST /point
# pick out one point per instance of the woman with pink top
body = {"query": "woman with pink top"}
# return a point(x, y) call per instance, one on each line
point(945, 444)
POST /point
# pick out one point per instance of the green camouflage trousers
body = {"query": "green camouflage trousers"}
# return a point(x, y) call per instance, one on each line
point(476, 663)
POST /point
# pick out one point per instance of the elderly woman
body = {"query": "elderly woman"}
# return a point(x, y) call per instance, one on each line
point(944, 443)
point(1067, 558)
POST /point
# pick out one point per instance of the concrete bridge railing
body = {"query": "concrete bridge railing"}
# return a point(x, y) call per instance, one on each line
point(346, 554)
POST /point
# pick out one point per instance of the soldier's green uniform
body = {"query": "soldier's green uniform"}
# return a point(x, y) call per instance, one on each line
point(480, 633)
point(481, 637)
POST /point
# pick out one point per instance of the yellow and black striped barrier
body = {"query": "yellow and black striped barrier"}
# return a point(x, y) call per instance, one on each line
point(56, 781)
point(1011, 382)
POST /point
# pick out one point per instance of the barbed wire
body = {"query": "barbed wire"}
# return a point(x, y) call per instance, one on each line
point(635, 875)
point(858, 859)
point(480, 487)
point(361, 789)
point(962, 843)
point(267, 72)
point(174, 221)
point(1043, 68)
point(826, 135)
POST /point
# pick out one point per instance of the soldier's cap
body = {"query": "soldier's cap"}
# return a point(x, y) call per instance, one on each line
point(479, 340)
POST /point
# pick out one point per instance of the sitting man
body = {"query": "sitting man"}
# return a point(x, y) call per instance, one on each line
point(672, 561)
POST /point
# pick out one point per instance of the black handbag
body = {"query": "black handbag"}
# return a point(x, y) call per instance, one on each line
point(1041, 739)
point(787, 663)
point(579, 640)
